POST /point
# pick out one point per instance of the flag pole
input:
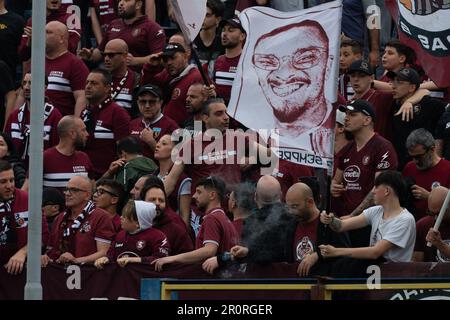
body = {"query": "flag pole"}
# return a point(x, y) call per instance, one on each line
point(444, 208)
point(33, 286)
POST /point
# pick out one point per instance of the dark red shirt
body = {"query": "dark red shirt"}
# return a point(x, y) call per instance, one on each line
point(175, 89)
point(18, 126)
point(359, 168)
point(59, 169)
point(122, 94)
point(105, 11)
point(148, 244)
point(216, 228)
point(224, 74)
point(161, 126)
point(111, 124)
point(14, 226)
point(143, 36)
point(66, 74)
point(97, 226)
point(176, 231)
point(439, 175)
point(422, 228)
point(61, 16)
point(203, 158)
point(305, 239)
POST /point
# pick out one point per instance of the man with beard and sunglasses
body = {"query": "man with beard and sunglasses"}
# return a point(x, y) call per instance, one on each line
point(427, 168)
point(144, 37)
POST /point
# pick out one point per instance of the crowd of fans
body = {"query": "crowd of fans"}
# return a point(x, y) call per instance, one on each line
point(122, 184)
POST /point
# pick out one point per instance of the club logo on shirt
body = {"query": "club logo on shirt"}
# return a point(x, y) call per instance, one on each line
point(136, 32)
point(140, 244)
point(447, 125)
point(176, 93)
point(365, 160)
point(352, 173)
point(435, 184)
point(304, 247)
point(86, 227)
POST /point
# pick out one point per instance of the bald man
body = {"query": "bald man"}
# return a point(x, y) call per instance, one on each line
point(124, 78)
point(66, 73)
point(82, 233)
point(440, 240)
point(268, 233)
point(310, 232)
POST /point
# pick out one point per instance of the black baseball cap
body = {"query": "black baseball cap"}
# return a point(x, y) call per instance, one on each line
point(154, 90)
point(406, 74)
point(171, 48)
point(52, 196)
point(361, 66)
point(359, 105)
point(235, 22)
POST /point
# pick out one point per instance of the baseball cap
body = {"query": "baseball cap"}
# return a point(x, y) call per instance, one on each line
point(52, 196)
point(154, 90)
point(235, 22)
point(406, 74)
point(340, 116)
point(361, 66)
point(359, 105)
point(171, 48)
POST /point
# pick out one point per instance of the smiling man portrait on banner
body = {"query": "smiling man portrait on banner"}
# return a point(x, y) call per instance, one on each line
point(286, 78)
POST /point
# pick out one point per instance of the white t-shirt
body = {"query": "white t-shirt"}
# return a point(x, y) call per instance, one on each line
point(400, 231)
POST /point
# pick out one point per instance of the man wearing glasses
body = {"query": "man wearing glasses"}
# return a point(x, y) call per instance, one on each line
point(109, 195)
point(427, 168)
point(82, 233)
point(152, 124)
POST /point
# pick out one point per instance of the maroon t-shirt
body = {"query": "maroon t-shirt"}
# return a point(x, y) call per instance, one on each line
point(61, 16)
point(359, 168)
point(161, 126)
point(112, 124)
point(238, 225)
point(382, 104)
point(217, 228)
point(97, 226)
point(14, 226)
point(224, 74)
point(289, 173)
point(66, 74)
point(105, 11)
point(439, 175)
point(176, 231)
point(143, 36)
point(122, 90)
point(305, 239)
point(422, 228)
point(18, 126)
point(203, 158)
point(59, 169)
point(174, 89)
point(149, 244)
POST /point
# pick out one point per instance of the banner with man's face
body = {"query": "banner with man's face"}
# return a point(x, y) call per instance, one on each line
point(286, 79)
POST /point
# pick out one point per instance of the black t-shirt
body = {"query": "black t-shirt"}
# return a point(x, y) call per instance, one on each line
point(11, 30)
point(426, 115)
point(443, 131)
point(206, 54)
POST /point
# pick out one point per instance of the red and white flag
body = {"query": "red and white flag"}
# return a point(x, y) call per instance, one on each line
point(424, 25)
point(190, 15)
point(287, 79)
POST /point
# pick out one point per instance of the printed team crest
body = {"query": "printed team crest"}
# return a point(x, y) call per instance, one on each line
point(366, 160)
point(156, 132)
point(304, 247)
point(435, 184)
point(140, 244)
point(136, 32)
point(86, 227)
point(176, 93)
